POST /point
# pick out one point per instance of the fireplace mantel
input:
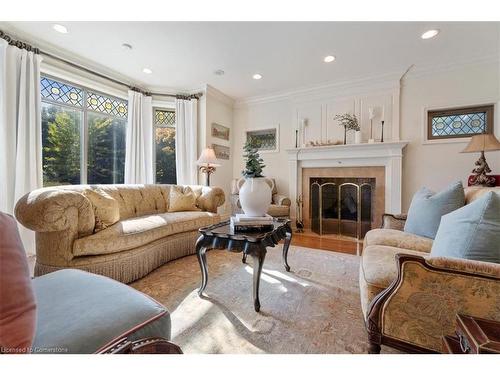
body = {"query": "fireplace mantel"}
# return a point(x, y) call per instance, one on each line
point(386, 154)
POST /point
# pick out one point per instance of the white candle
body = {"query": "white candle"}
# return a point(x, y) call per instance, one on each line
point(382, 118)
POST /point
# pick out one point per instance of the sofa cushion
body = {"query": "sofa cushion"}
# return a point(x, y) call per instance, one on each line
point(106, 208)
point(471, 232)
point(17, 302)
point(131, 233)
point(80, 312)
point(379, 264)
point(427, 207)
point(397, 238)
point(182, 199)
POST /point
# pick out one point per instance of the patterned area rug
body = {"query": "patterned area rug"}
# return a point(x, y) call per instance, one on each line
point(314, 308)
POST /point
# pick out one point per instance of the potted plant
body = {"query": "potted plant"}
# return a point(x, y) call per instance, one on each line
point(349, 122)
point(255, 194)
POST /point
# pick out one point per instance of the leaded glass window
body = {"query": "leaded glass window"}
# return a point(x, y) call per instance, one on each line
point(164, 128)
point(106, 104)
point(59, 92)
point(164, 117)
point(460, 122)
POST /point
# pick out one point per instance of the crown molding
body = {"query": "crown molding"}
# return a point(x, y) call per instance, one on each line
point(219, 95)
point(423, 70)
point(382, 82)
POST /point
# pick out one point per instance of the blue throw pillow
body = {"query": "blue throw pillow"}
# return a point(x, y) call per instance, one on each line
point(471, 232)
point(427, 207)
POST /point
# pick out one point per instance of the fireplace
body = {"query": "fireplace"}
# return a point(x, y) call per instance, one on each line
point(341, 205)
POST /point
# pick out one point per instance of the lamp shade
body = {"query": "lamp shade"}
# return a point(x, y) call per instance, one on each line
point(208, 157)
point(483, 142)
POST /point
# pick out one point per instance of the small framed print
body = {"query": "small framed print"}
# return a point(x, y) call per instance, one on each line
point(221, 152)
point(220, 131)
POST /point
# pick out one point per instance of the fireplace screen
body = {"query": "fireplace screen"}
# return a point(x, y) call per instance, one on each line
point(341, 205)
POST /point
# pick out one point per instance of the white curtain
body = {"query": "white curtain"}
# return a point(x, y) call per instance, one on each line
point(139, 140)
point(186, 141)
point(20, 130)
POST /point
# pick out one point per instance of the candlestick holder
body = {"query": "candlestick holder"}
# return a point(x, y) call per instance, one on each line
point(382, 135)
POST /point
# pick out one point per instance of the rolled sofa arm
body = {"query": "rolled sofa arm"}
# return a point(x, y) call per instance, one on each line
point(211, 198)
point(420, 306)
point(53, 210)
point(390, 221)
point(281, 200)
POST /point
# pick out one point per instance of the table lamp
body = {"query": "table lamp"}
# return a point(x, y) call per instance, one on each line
point(481, 143)
point(208, 162)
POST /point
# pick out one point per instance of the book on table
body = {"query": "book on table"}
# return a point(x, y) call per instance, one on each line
point(242, 222)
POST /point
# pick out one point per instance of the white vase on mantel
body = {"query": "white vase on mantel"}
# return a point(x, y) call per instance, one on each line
point(255, 196)
point(357, 137)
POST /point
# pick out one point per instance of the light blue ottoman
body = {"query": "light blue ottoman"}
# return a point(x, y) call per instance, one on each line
point(80, 312)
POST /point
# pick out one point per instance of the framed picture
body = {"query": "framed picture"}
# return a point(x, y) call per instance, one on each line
point(220, 131)
point(221, 152)
point(267, 138)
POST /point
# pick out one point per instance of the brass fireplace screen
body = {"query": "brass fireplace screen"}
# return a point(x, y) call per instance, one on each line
point(341, 206)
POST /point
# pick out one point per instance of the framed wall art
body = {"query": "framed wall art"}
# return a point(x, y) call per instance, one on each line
point(267, 138)
point(221, 152)
point(220, 131)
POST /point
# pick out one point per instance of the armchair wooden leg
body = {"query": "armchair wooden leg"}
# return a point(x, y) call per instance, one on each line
point(374, 348)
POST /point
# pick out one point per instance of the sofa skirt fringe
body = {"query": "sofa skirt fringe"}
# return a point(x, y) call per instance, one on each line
point(130, 265)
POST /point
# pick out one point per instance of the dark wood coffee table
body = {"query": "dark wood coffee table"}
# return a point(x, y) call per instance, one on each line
point(221, 236)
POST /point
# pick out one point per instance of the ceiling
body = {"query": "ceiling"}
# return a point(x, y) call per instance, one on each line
point(289, 55)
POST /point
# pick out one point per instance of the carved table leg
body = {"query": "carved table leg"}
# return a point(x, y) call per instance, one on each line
point(286, 245)
point(258, 262)
point(202, 259)
point(244, 259)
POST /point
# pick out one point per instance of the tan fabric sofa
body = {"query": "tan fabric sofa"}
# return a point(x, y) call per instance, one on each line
point(409, 299)
point(280, 205)
point(146, 236)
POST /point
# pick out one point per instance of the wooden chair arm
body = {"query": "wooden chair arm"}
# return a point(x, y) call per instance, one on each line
point(153, 345)
point(439, 273)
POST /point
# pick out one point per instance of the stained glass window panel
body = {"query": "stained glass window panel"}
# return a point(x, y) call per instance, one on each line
point(61, 92)
point(456, 123)
point(164, 118)
point(106, 104)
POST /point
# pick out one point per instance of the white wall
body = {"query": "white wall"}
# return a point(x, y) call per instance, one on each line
point(432, 165)
point(218, 108)
point(436, 165)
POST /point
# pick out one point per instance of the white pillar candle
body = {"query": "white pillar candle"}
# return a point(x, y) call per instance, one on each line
point(382, 118)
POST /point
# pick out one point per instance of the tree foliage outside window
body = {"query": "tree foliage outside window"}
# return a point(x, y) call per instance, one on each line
point(71, 125)
point(164, 123)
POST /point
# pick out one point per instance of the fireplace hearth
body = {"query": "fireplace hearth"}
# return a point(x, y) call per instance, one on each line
point(341, 205)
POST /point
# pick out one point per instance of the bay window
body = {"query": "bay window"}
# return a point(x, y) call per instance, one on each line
point(83, 135)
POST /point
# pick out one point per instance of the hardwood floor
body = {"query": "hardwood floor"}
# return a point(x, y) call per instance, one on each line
point(327, 242)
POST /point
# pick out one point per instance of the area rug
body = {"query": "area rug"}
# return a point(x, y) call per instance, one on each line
point(315, 308)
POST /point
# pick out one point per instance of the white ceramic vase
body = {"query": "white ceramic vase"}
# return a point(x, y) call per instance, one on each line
point(255, 196)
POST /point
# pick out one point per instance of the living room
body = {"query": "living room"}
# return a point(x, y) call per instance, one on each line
point(205, 185)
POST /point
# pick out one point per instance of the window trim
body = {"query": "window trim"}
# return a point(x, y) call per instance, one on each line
point(84, 109)
point(431, 113)
point(166, 108)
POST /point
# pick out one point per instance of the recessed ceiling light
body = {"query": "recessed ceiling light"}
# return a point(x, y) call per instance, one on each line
point(430, 34)
point(219, 72)
point(329, 58)
point(257, 76)
point(147, 70)
point(126, 46)
point(60, 28)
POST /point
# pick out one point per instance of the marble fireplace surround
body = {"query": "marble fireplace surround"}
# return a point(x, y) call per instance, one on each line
point(346, 161)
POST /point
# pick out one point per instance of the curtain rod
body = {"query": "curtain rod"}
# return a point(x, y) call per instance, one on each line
point(28, 47)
